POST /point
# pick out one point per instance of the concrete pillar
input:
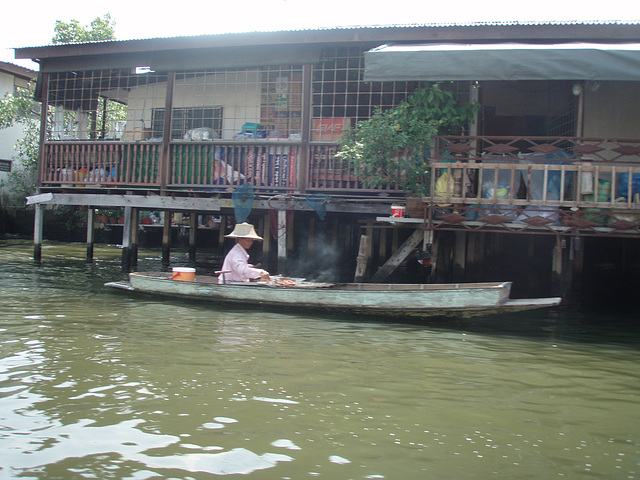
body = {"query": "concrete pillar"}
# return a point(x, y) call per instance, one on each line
point(37, 231)
point(135, 222)
point(126, 239)
point(90, 233)
point(282, 241)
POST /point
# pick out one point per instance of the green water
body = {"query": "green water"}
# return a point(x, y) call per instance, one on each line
point(101, 384)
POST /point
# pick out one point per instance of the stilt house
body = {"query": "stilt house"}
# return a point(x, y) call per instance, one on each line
point(178, 124)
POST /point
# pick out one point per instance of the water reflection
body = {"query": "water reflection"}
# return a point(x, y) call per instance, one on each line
point(100, 384)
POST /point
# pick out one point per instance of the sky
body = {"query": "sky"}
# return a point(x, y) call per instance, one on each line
point(24, 27)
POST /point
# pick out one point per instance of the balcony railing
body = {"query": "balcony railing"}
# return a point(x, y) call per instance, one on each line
point(519, 171)
point(550, 185)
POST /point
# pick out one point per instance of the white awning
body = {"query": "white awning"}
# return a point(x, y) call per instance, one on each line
point(504, 61)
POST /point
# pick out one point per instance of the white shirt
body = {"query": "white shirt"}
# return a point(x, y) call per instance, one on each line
point(237, 264)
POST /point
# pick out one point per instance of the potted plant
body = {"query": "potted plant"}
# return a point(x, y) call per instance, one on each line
point(392, 147)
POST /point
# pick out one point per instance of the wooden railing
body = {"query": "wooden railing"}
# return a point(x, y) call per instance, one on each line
point(101, 163)
point(535, 171)
point(548, 185)
point(192, 165)
point(268, 165)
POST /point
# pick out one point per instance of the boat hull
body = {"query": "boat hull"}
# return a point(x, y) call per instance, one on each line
point(391, 300)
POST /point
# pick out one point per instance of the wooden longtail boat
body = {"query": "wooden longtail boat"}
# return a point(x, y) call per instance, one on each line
point(391, 300)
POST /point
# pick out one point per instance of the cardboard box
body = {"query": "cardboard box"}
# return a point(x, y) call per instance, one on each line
point(137, 134)
point(329, 129)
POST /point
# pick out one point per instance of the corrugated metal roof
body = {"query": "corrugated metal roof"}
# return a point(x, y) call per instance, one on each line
point(620, 31)
point(496, 23)
point(17, 70)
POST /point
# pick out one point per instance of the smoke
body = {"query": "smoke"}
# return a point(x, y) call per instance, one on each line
point(322, 263)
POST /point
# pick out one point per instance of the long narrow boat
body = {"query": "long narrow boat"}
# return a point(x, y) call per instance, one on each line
point(394, 300)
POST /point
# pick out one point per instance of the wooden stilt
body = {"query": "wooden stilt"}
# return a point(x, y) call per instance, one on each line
point(460, 256)
point(382, 247)
point(310, 239)
point(221, 234)
point(362, 260)
point(335, 233)
point(435, 264)
point(556, 267)
point(266, 243)
point(369, 233)
point(135, 221)
point(282, 241)
point(166, 239)
point(290, 236)
point(90, 233)
point(577, 248)
point(126, 239)
point(394, 240)
point(37, 232)
point(193, 233)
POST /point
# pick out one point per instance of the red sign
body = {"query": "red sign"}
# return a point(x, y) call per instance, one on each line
point(329, 129)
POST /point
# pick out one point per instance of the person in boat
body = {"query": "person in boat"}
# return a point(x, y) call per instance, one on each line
point(236, 266)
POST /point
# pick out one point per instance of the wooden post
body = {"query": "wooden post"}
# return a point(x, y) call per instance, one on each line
point(394, 240)
point(166, 239)
point(90, 233)
point(369, 234)
point(382, 249)
point(290, 236)
point(307, 102)
point(577, 249)
point(362, 260)
point(221, 234)
point(193, 233)
point(282, 241)
point(460, 256)
point(165, 167)
point(266, 243)
point(37, 232)
point(311, 232)
point(435, 267)
point(556, 266)
point(126, 238)
point(135, 221)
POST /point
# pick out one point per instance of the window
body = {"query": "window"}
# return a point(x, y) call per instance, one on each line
point(5, 165)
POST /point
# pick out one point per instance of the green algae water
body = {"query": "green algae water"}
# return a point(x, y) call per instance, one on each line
point(102, 384)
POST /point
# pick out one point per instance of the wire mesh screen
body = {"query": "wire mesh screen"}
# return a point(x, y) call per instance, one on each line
point(341, 97)
point(105, 104)
point(237, 104)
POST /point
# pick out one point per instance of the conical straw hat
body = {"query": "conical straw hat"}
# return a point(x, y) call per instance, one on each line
point(244, 230)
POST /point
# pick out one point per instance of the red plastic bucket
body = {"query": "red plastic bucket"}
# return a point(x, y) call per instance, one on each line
point(397, 211)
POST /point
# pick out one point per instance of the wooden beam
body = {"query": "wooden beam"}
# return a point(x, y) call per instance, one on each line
point(144, 202)
point(399, 256)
